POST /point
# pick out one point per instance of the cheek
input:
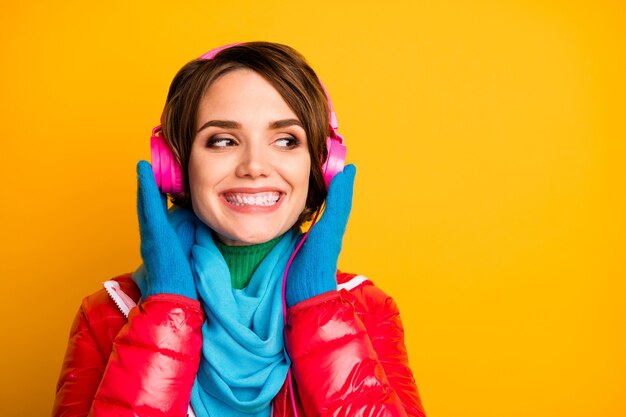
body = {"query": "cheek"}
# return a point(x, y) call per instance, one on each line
point(303, 174)
point(193, 168)
point(202, 178)
point(204, 171)
point(192, 173)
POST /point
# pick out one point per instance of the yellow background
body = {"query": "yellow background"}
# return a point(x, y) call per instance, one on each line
point(490, 199)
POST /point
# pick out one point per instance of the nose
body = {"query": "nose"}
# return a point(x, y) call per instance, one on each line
point(254, 162)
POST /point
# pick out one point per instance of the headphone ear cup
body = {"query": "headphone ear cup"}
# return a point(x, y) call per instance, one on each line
point(167, 172)
point(177, 177)
point(335, 161)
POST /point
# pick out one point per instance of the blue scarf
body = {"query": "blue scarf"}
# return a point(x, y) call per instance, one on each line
point(244, 363)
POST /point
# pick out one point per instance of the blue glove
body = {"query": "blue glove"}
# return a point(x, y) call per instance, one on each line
point(165, 251)
point(314, 268)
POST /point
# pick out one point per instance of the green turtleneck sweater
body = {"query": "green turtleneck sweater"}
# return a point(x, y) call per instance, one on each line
point(242, 261)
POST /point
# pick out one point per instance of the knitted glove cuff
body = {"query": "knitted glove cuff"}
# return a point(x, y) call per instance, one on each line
point(303, 287)
point(161, 287)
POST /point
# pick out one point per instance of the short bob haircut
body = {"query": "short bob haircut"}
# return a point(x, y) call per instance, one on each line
point(286, 70)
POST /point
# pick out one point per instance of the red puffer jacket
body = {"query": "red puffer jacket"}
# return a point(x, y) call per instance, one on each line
point(347, 350)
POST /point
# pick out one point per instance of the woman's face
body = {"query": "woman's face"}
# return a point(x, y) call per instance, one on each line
point(249, 164)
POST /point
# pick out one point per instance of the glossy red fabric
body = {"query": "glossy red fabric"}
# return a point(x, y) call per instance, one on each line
point(347, 349)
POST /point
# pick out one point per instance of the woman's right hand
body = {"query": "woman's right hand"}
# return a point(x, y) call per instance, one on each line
point(165, 251)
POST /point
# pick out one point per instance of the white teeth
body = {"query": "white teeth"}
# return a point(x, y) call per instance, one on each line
point(258, 199)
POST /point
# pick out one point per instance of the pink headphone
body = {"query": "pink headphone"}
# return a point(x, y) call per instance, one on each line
point(168, 173)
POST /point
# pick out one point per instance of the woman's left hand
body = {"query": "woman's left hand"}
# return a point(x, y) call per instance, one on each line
point(314, 268)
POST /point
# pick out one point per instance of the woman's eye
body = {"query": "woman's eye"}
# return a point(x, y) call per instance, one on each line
point(287, 142)
point(220, 142)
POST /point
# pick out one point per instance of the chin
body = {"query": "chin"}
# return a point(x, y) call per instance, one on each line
point(243, 238)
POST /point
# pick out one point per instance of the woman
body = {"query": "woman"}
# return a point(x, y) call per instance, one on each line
point(247, 125)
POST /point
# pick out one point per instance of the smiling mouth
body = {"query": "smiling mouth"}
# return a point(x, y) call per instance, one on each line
point(266, 199)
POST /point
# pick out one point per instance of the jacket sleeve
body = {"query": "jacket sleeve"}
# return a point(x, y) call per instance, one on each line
point(81, 371)
point(348, 356)
point(384, 327)
point(147, 368)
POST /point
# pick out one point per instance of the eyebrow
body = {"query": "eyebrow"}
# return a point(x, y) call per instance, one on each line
point(230, 124)
point(226, 124)
point(278, 124)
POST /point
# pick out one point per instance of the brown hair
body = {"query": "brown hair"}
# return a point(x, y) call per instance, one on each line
point(289, 74)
